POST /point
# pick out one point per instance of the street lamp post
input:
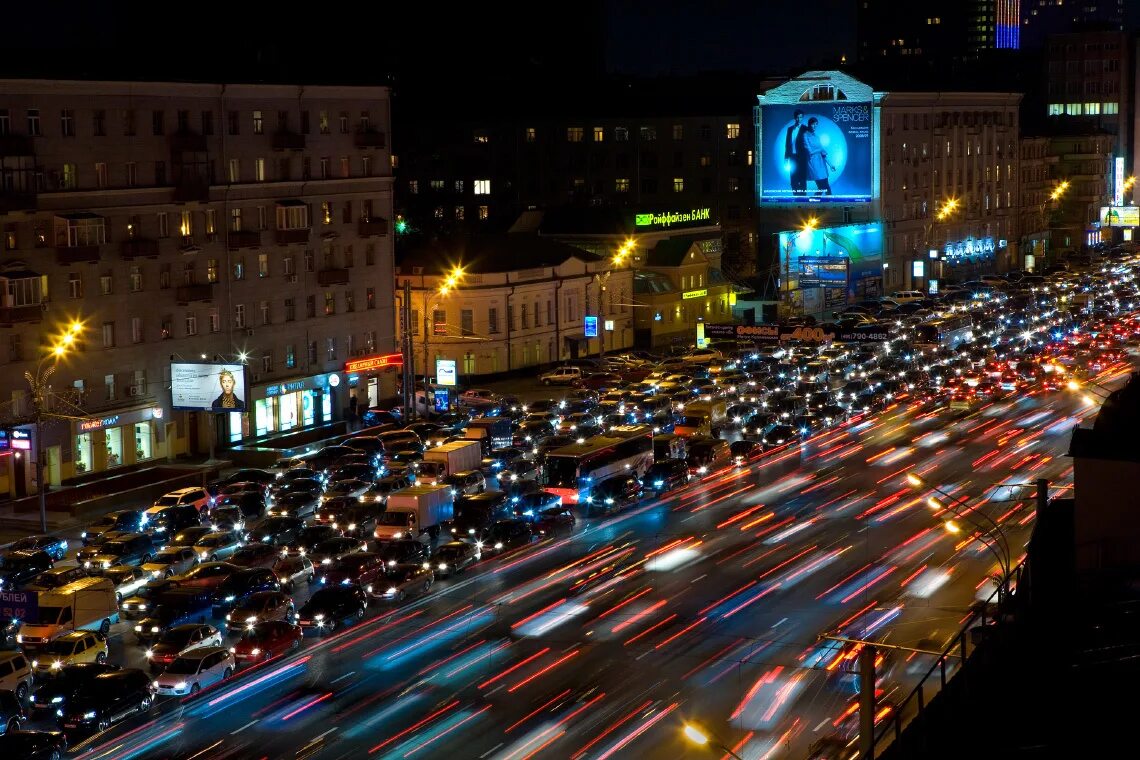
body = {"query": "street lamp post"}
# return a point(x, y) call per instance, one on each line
point(703, 738)
point(450, 283)
point(994, 532)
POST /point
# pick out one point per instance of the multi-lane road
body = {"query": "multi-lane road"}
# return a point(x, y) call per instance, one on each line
point(708, 606)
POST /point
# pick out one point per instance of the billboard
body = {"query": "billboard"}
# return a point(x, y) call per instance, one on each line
point(445, 372)
point(1120, 216)
point(816, 152)
point(208, 387)
point(832, 257)
point(590, 327)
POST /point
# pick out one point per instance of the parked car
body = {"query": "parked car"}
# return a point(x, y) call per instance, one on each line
point(180, 640)
point(194, 495)
point(265, 640)
point(561, 376)
point(173, 560)
point(195, 671)
point(330, 606)
point(22, 567)
point(106, 699)
point(55, 546)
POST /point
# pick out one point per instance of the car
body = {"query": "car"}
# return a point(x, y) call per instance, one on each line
point(256, 555)
point(479, 398)
point(352, 518)
point(125, 549)
point(221, 545)
point(279, 531)
point(56, 577)
point(206, 575)
point(119, 521)
point(173, 607)
point(328, 607)
point(520, 469)
point(53, 692)
point(55, 546)
point(106, 699)
point(402, 551)
point(369, 444)
point(249, 506)
point(360, 568)
point(180, 640)
point(194, 671)
point(259, 607)
point(561, 376)
point(188, 536)
point(375, 416)
point(171, 560)
point(529, 504)
point(346, 488)
point(666, 474)
point(466, 483)
point(745, 450)
point(265, 640)
point(264, 477)
point(33, 745)
point(454, 557)
point(366, 471)
point(72, 648)
point(12, 715)
point(293, 569)
point(194, 495)
point(400, 580)
point(505, 535)
point(550, 521)
point(245, 580)
point(613, 494)
point(779, 435)
point(301, 472)
point(380, 490)
point(164, 521)
point(22, 567)
point(310, 486)
point(127, 580)
point(330, 550)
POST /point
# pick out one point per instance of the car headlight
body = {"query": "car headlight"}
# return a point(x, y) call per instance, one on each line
point(57, 665)
point(391, 591)
point(87, 563)
point(89, 715)
point(442, 565)
point(230, 598)
point(398, 534)
point(180, 686)
point(498, 544)
point(56, 700)
point(149, 653)
point(320, 616)
point(35, 663)
point(83, 534)
point(229, 616)
point(255, 651)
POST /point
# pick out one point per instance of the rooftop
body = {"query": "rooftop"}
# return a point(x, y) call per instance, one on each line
point(488, 254)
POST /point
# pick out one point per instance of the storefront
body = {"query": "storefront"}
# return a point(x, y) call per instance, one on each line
point(292, 405)
point(364, 377)
point(130, 437)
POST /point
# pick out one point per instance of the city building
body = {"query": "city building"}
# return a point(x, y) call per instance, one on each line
point(933, 30)
point(1085, 162)
point(1035, 189)
point(201, 224)
point(1042, 18)
point(611, 149)
point(517, 301)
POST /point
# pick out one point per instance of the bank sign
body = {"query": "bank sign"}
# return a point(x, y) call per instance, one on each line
point(665, 219)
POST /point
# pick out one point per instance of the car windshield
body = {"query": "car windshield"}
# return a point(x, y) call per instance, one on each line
point(186, 665)
point(166, 556)
point(450, 552)
point(166, 501)
point(394, 518)
point(255, 634)
point(119, 576)
point(177, 638)
point(330, 596)
point(113, 547)
point(60, 646)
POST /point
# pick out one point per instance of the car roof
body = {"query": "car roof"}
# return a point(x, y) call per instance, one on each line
point(202, 652)
point(182, 491)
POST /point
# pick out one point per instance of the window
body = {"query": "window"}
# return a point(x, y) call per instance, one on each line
point(414, 186)
point(34, 122)
point(290, 356)
point(648, 134)
point(10, 240)
point(267, 361)
point(484, 212)
point(531, 134)
point(705, 160)
point(109, 385)
point(1111, 108)
point(493, 321)
point(574, 134)
point(108, 335)
point(235, 220)
point(215, 321)
point(330, 303)
point(621, 185)
point(191, 323)
point(99, 123)
point(5, 122)
point(259, 169)
point(459, 213)
point(330, 349)
point(312, 352)
point(732, 131)
point(343, 118)
point(292, 217)
point(164, 277)
point(1056, 109)
point(183, 118)
point(69, 179)
point(599, 134)
point(258, 123)
point(160, 173)
point(345, 167)
point(621, 134)
point(100, 175)
point(207, 122)
point(370, 298)
point(734, 184)
point(211, 270)
point(263, 307)
point(239, 268)
point(482, 187)
point(239, 315)
point(263, 265)
point(467, 322)
point(323, 122)
point(310, 261)
point(678, 132)
point(1092, 109)
point(67, 122)
point(158, 123)
point(136, 330)
point(678, 184)
point(346, 212)
point(290, 309)
point(74, 285)
point(439, 322)
point(106, 284)
point(163, 224)
point(233, 123)
point(136, 279)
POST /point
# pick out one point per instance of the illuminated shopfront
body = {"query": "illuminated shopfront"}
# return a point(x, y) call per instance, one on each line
point(103, 443)
point(83, 458)
point(364, 376)
point(294, 404)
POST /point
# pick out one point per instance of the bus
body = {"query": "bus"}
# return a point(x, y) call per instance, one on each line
point(571, 470)
point(948, 332)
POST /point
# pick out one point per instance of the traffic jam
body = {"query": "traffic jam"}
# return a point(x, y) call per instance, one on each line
point(219, 582)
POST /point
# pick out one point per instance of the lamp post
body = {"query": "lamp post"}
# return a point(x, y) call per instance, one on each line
point(38, 385)
point(809, 225)
point(450, 283)
point(948, 208)
point(602, 279)
point(995, 532)
point(703, 738)
point(1090, 388)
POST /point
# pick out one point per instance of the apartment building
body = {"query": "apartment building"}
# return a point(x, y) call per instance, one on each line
point(191, 222)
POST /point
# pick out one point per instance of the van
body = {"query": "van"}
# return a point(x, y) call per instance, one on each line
point(708, 455)
point(85, 605)
point(16, 675)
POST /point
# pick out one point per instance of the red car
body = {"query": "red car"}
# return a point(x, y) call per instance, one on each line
point(364, 568)
point(265, 640)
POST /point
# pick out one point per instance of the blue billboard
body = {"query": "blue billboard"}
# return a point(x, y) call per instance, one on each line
point(816, 152)
point(832, 257)
point(591, 327)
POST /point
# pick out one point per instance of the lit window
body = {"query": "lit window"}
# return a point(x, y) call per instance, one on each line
point(482, 187)
point(621, 185)
point(599, 134)
point(1092, 109)
point(1056, 109)
point(732, 131)
point(678, 131)
point(1111, 108)
point(531, 134)
point(678, 184)
point(574, 134)
point(484, 212)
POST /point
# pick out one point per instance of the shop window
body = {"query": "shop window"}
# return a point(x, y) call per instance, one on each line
point(83, 453)
point(142, 442)
point(114, 447)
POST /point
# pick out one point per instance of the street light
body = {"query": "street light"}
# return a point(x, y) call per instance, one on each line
point(38, 385)
point(701, 738)
point(995, 533)
point(1089, 386)
point(452, 281)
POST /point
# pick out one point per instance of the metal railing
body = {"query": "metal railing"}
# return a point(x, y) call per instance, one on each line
point(915, 704)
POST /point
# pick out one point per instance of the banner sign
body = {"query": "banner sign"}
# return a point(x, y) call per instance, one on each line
point(774, 333)
point(819, 272)
point(816, 152)
point(208, 387)
point(374, 362)
point(19, 605)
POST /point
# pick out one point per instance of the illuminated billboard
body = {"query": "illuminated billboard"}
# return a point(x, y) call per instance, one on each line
point(1120, 216)
point(816, 152)
point(832, 257)
point(208, 387)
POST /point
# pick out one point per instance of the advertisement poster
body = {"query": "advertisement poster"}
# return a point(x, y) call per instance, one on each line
point(1120, 216)
point(445, 372)
point(816, 152)
point(208, 387)
point(832, 257)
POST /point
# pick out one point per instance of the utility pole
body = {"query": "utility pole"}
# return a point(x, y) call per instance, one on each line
point(867, 701)
point(409, 353)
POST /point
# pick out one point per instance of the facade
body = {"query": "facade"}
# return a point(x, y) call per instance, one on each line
point(521, 303)
point(1085, 162)
point(933, 30)
point(242, 224)
point(1034, 211)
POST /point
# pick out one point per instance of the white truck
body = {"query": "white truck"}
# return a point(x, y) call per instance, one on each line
point(416, 512)
point(448, 459)
point(87, 604)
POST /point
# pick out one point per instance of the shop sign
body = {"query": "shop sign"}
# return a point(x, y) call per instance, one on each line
point(441, 400)
point(282, 388)
point(374, 362)
point(4, 442)
point(21, 439)
point(666, 219)
point(694, 294)
point(99, 424)
point(19, 605)
point(969, 248)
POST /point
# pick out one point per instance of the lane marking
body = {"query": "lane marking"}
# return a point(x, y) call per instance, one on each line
point(247, 725)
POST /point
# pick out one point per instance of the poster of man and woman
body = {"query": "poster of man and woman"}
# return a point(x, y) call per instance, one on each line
point(816, 153)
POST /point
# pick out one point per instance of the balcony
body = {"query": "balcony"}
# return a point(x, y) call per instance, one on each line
point(139, 248)
point(200, 292)
point(191, 188)
point(10, 315)
point(16, 145)
point(77, 254)
point(245, 239)
point(332, 276)
point(369, 139)
point(288, 141)
point(16, 201)
point(372, 227)
point(291, 237)
point(187, 142)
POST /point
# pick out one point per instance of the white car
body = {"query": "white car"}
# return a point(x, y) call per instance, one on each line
point(173, 560)
point(195, 670)
point(702, 355)
point(127, 580)
point(907, 296)
point(194, 495)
